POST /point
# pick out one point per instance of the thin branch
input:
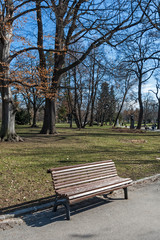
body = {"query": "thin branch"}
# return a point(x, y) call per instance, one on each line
point(29, 49)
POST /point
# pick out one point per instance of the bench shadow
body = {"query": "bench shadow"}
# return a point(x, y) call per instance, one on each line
point(11, 209)
point(47, 216)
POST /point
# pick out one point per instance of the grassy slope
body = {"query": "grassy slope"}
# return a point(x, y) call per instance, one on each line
point(23, 165)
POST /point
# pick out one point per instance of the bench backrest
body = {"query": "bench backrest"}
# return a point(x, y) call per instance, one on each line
point(69, 176)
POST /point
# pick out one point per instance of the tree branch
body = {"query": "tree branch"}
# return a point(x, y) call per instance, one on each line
point(11, 57)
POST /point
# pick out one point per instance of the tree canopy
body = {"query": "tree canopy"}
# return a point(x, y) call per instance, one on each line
point(69, 31)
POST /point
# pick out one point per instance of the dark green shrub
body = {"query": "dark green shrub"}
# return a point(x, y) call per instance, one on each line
point(22, 117)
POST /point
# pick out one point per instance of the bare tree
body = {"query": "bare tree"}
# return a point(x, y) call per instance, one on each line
point(97, 74)
point(136, 52)
point(10, 11)
point(156, 93)
point(150, 109)
point(27, 80)
point(8, 107)
point(124, 81)
point(83, 82)
point(97, 22)
point(151, 10)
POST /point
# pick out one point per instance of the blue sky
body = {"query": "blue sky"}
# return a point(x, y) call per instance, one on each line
point(27, 27)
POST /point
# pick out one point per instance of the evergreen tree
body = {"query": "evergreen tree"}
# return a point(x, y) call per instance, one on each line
point(106, 104)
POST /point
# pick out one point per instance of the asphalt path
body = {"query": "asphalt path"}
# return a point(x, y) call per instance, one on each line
point(137, 218)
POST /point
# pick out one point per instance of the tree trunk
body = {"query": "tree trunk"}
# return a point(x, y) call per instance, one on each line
point(93, 97)
point(44, 129)
point(79, 114)
point(5, 111)
point(34, 124)
point(71, 120)
point(28, 105)
point(120, 108)
point(49, 117)
point(158, 120)
point(93, 90)
point(86, 115)
point(52, 125)
point(49, 114)
point(8, 117)
point(91, 116)
point(102, 119)
point(140, 117)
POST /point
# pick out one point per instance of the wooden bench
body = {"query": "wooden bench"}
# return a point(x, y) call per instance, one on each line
point(78, 182)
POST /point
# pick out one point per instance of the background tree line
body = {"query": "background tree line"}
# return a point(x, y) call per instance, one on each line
point(48, 48)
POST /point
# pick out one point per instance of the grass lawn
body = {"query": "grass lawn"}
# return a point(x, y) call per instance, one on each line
point(23, 165)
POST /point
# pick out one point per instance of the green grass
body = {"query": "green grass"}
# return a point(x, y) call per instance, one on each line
point(23, 165)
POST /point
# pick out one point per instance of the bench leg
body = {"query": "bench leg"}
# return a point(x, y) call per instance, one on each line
point(66, 205)
point(55, 207)
point(63, 202)
point(125, 193)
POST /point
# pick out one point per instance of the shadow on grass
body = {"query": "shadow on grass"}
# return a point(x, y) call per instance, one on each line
point(78, 133)
point(90, 155)
point(137, 162)
point(21, 206)
point(45, 217)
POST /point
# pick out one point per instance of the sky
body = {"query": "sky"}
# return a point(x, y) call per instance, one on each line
point(28, 28)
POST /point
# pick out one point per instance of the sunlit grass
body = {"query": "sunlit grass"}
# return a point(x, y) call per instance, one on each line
point(23, 165)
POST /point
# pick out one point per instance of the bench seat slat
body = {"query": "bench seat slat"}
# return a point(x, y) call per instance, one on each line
point(91, 186)
point(99, 190)
point(81, 198)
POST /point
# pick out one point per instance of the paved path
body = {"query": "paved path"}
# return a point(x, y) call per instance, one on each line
point(97, 219)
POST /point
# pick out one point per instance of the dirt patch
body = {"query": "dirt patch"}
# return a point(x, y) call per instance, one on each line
point(127, 130)
point(134, 141)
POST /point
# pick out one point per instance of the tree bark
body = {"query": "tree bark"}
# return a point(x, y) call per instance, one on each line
point(34, 124)
point(158, 120)
point(52, 123)
point(93, 91)
point(8, 132)
point(45, 126)
point(49, 117)
point(49, 114)
point(140, 117)
point(120, 108)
